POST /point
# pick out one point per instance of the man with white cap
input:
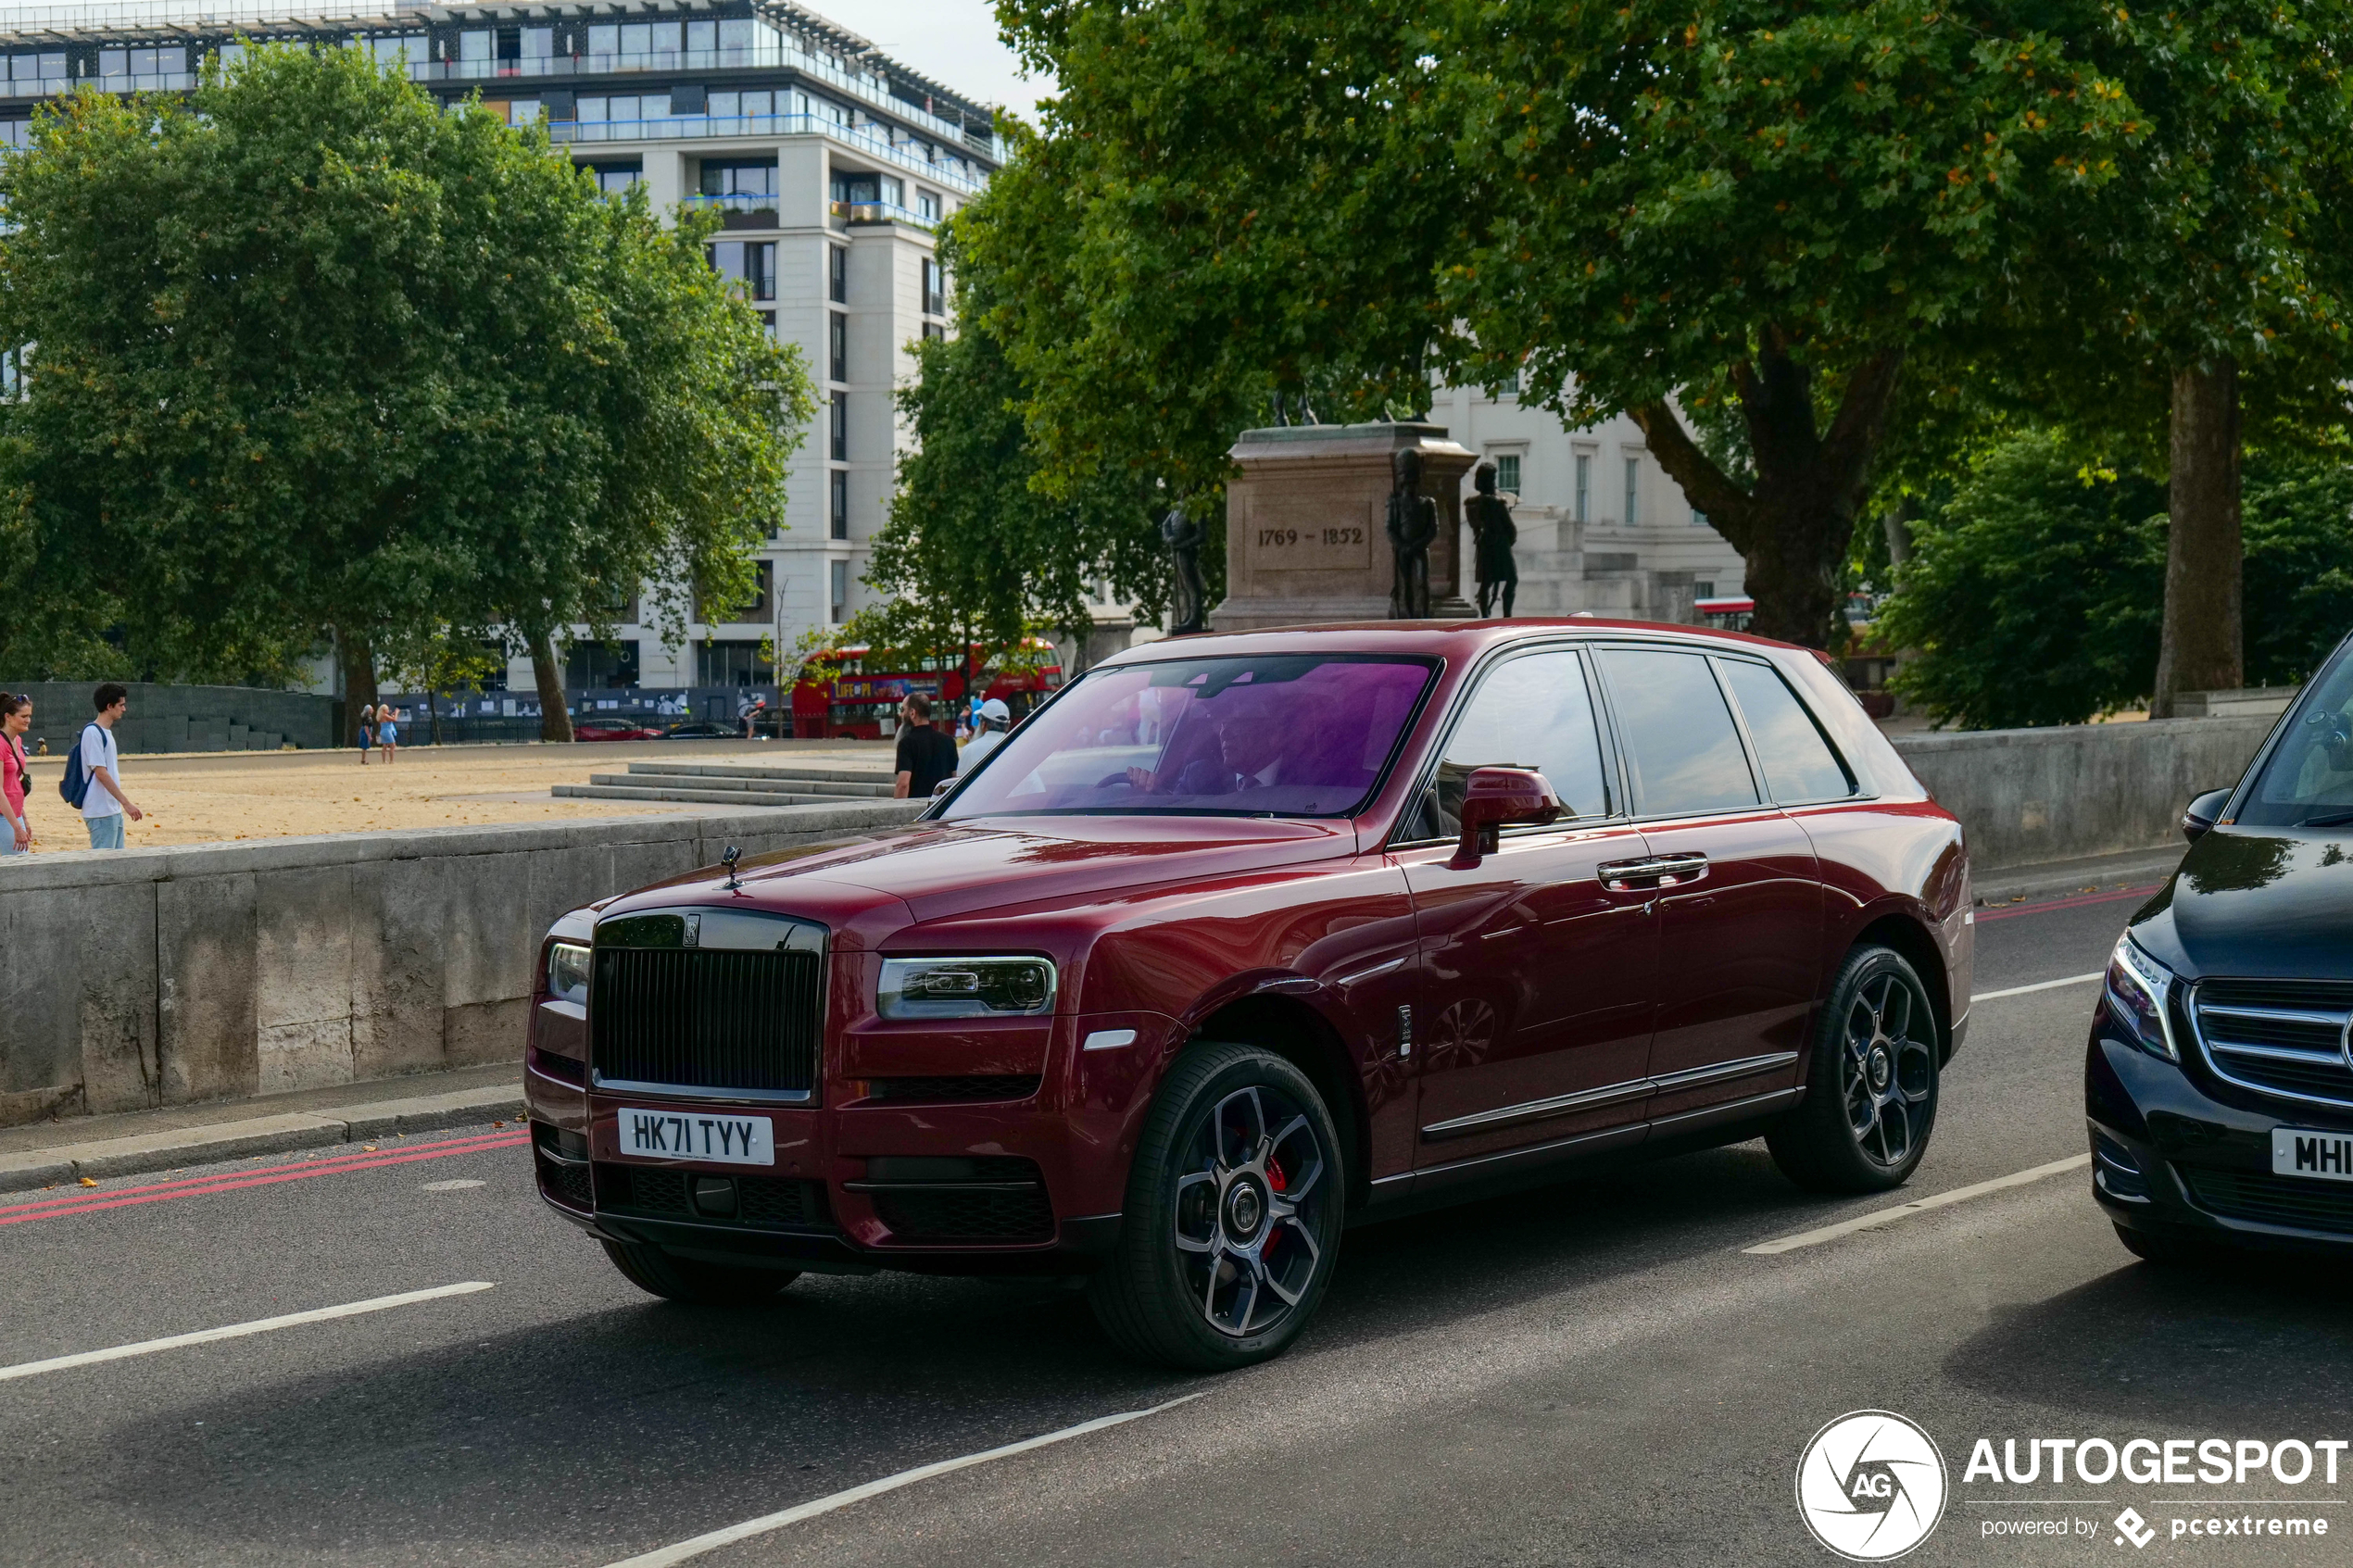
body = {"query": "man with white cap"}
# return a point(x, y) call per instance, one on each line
point(988, 733)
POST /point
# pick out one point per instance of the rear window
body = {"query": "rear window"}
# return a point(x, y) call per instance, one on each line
point(1681, 748)
point(1798, 763)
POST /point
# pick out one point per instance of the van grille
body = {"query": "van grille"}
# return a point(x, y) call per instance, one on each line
point(2282, 1037)
point(711, 1019)
point(2268, 1199)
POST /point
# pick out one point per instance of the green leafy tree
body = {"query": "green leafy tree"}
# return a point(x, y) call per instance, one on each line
point(2299, 564)
point(313, 354)
point(2033, 593)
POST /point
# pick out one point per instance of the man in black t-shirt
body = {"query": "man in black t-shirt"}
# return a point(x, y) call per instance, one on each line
point(925, 756)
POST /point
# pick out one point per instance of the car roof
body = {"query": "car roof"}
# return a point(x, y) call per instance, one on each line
point(1450, 639)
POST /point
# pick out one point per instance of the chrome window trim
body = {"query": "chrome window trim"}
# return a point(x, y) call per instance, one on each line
point(2207, 1050)
point(1609, 1094)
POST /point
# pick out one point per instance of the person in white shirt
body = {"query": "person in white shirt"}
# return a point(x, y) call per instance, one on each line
point(988, 733)
point(104, 807)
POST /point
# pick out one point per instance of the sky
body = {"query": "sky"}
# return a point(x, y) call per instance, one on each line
point(953, 41)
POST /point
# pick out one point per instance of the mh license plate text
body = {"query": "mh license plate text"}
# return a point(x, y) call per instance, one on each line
point(696, 1135)
point(2300, 1152)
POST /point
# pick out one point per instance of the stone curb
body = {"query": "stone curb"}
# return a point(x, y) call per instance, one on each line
point(2004, 885)
point(175, 1147)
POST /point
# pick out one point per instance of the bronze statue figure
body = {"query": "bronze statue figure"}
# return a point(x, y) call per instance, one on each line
point(1493, 536)
point(1413, 527)
point(1187, 612)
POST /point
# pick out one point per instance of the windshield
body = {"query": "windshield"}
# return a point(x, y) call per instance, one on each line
point(2309, 780)
point(1294, 735)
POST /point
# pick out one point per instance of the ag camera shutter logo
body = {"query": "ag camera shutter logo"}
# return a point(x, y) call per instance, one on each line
point(1870, 1486)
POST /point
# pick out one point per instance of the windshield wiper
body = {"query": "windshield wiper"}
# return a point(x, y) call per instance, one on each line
point(2333, 819)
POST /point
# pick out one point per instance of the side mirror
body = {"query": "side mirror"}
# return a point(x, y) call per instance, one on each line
point(2201, 813)
point(1494, 798)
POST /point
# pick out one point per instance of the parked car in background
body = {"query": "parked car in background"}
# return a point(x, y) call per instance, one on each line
point(1241, 937)
point(2217, 1083)
point(613, 729)
point(703, 729)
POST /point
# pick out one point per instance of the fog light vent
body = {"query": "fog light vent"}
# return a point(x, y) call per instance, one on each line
point(2115, 1171)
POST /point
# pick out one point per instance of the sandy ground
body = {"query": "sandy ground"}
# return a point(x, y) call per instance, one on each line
point(200, 797)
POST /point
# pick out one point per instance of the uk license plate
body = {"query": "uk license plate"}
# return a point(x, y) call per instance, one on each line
point(2301, 1151)
point(696, 1135)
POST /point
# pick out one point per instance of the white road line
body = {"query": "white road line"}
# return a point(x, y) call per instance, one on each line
point(2039, 986)
point(1921, 1206)
point(239, 1330)
point(664, 1556)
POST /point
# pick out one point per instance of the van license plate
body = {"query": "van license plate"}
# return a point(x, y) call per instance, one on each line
point(2300, 1152)
point(696, 1135)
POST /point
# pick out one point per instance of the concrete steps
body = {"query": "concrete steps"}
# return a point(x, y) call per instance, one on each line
point(735, 784)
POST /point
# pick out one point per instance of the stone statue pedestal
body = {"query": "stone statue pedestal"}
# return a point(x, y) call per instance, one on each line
point(1306, 537)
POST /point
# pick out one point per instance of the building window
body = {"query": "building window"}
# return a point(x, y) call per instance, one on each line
point(732, 663)
point(749, 263)
point(927, 206)
point(1633, 491)
point(837, 580)
point(744, 105)
point(1703, 590)
point(601, 666)
point(1584, 487)
point(837, 274)
point(1508, 473)
point(837, 344)
point(1699, 519)
point(731, 177)
point(935, 333)
point(837, 502)
point(935, 291)
point(841, 427)
point(617, 179)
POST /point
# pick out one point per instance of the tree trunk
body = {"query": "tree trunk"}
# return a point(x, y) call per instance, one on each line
point(1795, 558)
point(1896, 523)
point(359, 662)
point(2201, 648)
point(555, 719)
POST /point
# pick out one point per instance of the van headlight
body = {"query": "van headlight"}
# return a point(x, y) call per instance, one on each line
point(977, 987)
point(2138, 988)
point(568, 972)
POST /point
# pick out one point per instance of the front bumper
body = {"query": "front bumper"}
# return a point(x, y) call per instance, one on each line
point(1032, 1185)
point(2181, 1156)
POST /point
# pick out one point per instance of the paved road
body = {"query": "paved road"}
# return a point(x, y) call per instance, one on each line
point(1595, 1373)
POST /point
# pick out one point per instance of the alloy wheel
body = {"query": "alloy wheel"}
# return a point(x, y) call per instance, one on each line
point(1250, 1211)
point(1887, 1073)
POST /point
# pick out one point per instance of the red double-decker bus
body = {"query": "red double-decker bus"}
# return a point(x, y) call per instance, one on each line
point(842, 699)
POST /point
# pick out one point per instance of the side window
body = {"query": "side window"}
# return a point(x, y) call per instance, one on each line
point(1533, 712)
point(1798, 763)
point(1683, 753)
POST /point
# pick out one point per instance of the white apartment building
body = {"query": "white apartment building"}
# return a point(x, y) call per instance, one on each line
point(1602, 527)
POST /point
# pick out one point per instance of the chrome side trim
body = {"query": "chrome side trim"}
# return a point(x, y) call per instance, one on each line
point(1535, 1109)
point(1729, 1111)
point(1692, 1077)
point(1609, 1094)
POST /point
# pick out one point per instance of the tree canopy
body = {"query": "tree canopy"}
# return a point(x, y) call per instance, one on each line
point(307, 352)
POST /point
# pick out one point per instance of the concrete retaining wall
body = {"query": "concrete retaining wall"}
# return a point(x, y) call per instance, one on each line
point(184, 717)
point(2029, 795)
point(147, 977)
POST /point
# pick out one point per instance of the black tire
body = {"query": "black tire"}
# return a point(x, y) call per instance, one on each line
point(2164, 1251)
point(1871, 1101)
point(1233, 1218)
point(686, 1279)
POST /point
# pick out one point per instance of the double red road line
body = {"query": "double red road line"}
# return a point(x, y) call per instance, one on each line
point(82, 1202)
point(2007, 911)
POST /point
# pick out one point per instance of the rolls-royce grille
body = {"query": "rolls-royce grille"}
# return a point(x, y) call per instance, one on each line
point(2283, 1036)
point(2267, 1199)
point(713, 1018)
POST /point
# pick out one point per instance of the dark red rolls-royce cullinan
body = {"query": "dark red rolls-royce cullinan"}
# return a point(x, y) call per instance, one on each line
point(1243, 937)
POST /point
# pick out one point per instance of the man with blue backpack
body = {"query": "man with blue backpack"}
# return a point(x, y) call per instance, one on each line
point(92, 781)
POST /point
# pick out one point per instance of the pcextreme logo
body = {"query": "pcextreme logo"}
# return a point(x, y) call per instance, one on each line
point(1870, 1486)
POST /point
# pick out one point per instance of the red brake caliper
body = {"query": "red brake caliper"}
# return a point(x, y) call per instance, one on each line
point(1280, 1183)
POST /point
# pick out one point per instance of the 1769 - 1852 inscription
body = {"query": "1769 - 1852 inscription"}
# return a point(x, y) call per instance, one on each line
point(1328, 547)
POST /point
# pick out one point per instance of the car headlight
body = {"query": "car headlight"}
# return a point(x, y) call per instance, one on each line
point(568, 972)
point(2137, 988)
point(980, 987)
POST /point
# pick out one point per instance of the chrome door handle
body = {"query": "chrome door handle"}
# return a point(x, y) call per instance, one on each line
point(1657, 871)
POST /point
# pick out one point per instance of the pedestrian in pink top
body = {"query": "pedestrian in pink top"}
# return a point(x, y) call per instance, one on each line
point(16, 832)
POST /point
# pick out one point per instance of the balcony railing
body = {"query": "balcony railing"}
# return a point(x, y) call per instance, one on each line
point(701, 126)
point(53, 86)
point(733, 201)
point(846, 213)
